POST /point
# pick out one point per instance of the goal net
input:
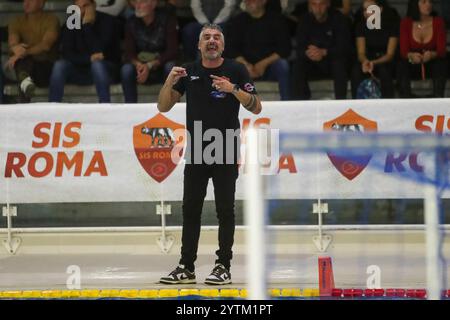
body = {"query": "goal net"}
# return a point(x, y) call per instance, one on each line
point(367, 216)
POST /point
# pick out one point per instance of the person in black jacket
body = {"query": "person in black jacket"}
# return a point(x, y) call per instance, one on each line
point(150, 47)
point(260, 40)
point(90, 54)
point(344, 6)
point(323, 47)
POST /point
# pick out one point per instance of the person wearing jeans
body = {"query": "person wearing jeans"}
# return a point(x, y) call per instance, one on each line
point(151, 45)
point(89, 55)
point(260, 40)
point(129, 74)
point(98, 72)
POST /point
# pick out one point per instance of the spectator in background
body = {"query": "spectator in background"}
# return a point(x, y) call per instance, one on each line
point(273, 6)
point(376, 49)
point(260, 40)
point(1, 86)
point(128, 12)
point(183, 12)
point(323, 46)
point(1, 77)
point(32, 39)
point(344, 6)
point(297, 8)
point(111, 7)
point(423, 48)
point(90, 54)
point(445, 9)
point(117, 9)
point(151, 44)
point(286, 8)
point(204, 11)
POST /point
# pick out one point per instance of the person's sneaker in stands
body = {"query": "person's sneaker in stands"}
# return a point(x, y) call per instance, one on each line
point(27, 87)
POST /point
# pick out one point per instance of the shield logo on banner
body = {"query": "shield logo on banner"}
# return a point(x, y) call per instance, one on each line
point(158, 144)
point(350, 122)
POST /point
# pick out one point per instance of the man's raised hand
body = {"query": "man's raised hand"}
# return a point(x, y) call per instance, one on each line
point(175, 74)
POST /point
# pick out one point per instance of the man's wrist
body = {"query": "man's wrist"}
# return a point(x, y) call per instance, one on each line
point(236, 89)
point(251, 104)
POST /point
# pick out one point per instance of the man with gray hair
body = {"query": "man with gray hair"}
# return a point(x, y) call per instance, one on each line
point(151, 44)
point(215, 88)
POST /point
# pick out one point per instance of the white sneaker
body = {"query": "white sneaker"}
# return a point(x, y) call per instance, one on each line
point(27, 86)
point(180, 275)
point(219, 276)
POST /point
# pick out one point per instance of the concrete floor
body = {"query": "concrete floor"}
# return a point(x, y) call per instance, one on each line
point(134, 261)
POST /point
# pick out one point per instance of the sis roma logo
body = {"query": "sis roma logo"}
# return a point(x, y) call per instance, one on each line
point(350, 121)
point(154, 141)
point(350, 166)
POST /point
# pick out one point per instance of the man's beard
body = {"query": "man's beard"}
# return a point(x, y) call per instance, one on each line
point(213, 56)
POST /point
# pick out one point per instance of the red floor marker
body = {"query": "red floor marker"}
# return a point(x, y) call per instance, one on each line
point(395, 293)
point(326, 277)
point(358, 292)
point(336, 292)
point(411, 293)
point(421, 293)
point(390, 292)
point(378, 292)
point(369, 292)
point(400, 292)
point(348, 293)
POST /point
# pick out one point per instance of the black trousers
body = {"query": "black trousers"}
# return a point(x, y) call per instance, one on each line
point(384, 72)
point(436, 69)
point(39, 71)
point(196, 178)
point(306, 69)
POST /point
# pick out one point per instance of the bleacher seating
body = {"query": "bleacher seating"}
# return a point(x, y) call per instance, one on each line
point(321, 89)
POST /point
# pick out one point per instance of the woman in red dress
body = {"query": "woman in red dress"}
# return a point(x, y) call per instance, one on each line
point(423, 41)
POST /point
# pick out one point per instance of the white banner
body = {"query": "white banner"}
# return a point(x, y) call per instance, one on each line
point(102, 153)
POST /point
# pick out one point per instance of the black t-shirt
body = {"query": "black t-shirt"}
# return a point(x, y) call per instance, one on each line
point(258, 38)
point(214, 109)
point(377, 39)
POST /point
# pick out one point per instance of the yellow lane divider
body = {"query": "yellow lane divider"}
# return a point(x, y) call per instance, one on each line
point(153, 293)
